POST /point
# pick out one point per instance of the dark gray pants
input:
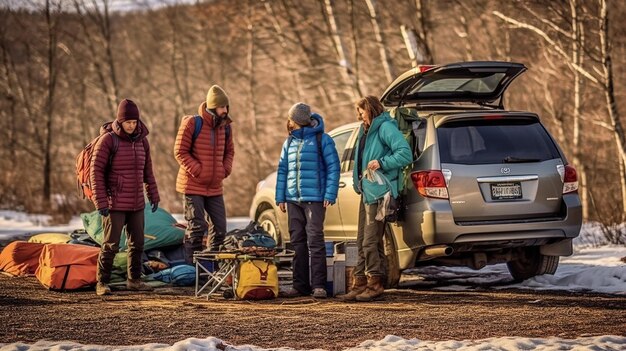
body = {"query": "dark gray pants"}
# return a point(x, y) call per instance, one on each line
point(197, 209)
point(369, 242)
point(112, 226)
point(306, 232)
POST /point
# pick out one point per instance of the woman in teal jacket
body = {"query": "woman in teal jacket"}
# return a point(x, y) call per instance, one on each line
point(380, 147)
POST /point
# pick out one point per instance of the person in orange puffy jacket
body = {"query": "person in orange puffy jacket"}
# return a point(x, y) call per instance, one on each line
point(205, 161)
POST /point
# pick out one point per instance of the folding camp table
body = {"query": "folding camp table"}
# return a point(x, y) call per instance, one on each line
point(221, 270)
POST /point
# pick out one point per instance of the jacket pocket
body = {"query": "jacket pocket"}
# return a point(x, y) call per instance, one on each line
point(373, 190)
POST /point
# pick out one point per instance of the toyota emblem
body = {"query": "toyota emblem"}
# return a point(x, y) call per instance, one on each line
point(505, 170)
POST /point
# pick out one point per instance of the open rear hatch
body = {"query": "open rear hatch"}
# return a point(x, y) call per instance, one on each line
point(479, 82)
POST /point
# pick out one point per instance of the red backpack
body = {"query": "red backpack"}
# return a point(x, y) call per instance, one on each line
point(83, 162)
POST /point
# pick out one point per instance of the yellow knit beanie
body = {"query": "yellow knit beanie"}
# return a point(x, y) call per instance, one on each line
point(216, 97)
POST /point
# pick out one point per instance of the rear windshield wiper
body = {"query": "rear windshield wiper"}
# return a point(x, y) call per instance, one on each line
point(512, 159)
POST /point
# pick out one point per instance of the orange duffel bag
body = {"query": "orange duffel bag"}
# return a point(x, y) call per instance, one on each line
point(67, 266)
point(20, 258)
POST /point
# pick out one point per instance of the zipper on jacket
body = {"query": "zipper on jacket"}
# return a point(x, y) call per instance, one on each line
point(298, 150)
point(136, 183)
point(214, 142)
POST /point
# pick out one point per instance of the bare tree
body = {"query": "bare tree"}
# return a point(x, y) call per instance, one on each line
point(106, 70)
point(609, 94)
point(380, 41)
point(423, 27)
point(53, 71)
point(342, 53)
point(575, 60)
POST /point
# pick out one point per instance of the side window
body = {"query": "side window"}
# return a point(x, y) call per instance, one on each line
point(341, 140)
point(344, 150)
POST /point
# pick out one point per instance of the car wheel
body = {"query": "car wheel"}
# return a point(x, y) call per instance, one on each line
point(267, 220)
point(531, 263)
point(391, 259)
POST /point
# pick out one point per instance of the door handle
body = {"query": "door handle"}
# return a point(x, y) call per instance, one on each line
point(342, 184)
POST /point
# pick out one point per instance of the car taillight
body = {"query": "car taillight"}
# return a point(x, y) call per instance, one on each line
point(424, 68)
point(430, 184)
point(570, 180)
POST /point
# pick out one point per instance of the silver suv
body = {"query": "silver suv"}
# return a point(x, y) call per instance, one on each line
point(486, 186)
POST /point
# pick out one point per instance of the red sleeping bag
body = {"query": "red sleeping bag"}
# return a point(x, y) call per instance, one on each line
point(67, 267)
point(20, 258)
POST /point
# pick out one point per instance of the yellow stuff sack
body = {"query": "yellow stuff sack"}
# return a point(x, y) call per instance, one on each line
point(257, 280)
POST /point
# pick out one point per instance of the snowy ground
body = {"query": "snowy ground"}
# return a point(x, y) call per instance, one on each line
point(594, 267)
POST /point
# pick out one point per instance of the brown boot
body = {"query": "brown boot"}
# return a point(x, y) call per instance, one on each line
point(358, 286)
point(102, 289)
point(138, 285)
point(374, 289)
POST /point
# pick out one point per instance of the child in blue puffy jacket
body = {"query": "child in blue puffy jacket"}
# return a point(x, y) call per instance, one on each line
point(307, 182)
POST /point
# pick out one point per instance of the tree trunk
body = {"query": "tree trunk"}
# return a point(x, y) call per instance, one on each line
point(609, 94)
point(311, 63)
point(52, 77)
point(577, 58)
point(380, 41)
point(423, 30)
point(342, 54)
point(410, 43)
point(106, 32)
point(100, 70)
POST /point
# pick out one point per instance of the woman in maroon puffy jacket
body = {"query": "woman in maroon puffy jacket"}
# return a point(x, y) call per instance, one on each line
point(120, 167)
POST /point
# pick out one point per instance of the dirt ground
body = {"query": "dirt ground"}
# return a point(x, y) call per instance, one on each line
point(28, 312)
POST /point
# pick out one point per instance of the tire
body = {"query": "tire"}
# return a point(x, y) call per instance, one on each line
point(267, 220)
point(532, 263)
point(392, 276)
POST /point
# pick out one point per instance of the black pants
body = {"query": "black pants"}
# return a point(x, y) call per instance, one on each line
point(197, 208)
point(112, 226)
point(306, 232)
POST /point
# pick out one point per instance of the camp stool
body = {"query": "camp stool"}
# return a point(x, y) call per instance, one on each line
point(221, 270)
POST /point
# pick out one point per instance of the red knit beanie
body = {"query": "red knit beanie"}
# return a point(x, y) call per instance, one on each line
point(127, 110)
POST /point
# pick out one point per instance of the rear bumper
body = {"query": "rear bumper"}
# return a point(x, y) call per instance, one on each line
point(431, 223)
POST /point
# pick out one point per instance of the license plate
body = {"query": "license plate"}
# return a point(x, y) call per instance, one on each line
point(506, 191)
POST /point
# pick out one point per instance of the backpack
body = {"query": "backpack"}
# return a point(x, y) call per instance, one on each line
point(83, 162)
point(408, 124)
point(252, 239)
point(257, 280)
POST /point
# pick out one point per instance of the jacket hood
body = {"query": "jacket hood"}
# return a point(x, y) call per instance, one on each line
point(210, 117)
point(116, 127)
point(379, 120)
point(317, 126)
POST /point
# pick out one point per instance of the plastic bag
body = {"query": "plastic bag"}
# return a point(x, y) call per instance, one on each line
point(388, 206)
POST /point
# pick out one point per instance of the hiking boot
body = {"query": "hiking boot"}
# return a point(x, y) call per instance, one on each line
point(374, 289)
point(358, 286)
point(319, 293)
point(138, 285)
point(102, 289)
point(291, 292)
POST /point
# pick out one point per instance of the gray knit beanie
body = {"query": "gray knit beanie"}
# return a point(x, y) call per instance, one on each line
point(300, 113)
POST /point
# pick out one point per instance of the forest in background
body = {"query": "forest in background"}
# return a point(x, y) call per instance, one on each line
point(66, 64)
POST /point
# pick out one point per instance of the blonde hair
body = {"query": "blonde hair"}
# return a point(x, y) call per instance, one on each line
point(371, 104)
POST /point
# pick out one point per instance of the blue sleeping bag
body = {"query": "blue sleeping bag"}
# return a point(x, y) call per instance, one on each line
point(183, 275)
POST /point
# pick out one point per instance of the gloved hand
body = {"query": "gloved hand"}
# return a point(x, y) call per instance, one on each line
point(155, 206)
point(104, 212)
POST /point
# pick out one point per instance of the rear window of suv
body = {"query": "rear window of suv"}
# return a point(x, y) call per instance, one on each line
point(485, 141)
